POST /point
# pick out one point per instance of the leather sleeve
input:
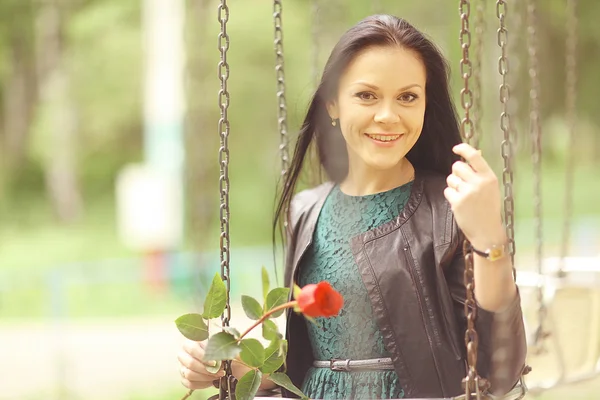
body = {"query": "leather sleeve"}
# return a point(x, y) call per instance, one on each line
point(290, 239)
point(502, 343)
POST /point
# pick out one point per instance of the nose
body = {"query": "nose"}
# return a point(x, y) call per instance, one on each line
point(387, 114)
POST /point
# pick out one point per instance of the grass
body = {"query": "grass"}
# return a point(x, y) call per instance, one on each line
point(47, 269)
point(124, 287)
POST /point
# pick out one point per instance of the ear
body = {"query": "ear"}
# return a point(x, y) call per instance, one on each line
point(332, 109)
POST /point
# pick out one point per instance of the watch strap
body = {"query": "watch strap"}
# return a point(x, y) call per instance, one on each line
point(493, 253)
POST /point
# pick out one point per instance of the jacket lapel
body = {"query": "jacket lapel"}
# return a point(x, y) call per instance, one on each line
point(304, 221)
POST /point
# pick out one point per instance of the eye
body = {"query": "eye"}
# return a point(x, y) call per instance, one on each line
point(365, 95)
point(408, 97)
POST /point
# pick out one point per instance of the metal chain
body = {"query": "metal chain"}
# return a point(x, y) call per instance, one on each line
point(571, 111)
point(282, 104)
point(501, 370)
point(536, 137)
point(505, 125)
point(477, 67)
point(282, 107)
point(223, 70)
point(466, 70)
point(516, 24)
point(472, 383)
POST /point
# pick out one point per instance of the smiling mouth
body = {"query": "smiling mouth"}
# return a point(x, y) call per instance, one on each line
point(383, 138)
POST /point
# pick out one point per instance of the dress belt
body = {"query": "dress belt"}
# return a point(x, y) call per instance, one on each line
point(375, 364)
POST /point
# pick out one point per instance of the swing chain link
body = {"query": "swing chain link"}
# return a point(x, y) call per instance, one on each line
point(571, 116)
point(282, 106)
point(225, 383)
point(501, 371)
point(472, 383)
point(505, 126)
point(466, 70)
point(540, 333)
point(477, 67)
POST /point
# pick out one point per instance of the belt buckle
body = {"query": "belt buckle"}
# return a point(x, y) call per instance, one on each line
point(345, 367)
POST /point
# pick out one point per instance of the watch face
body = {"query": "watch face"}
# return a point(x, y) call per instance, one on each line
point(496, 253)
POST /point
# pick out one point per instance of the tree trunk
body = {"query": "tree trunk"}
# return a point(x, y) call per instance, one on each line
point(20, 97)
point(60, 161)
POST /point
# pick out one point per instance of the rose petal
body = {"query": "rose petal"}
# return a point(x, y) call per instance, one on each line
point(320, 300)
point(306, 298)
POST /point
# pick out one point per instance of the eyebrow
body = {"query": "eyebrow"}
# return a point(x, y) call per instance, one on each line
point(412, 85)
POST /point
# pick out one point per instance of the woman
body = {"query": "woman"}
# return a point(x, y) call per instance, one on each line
point(387, 229)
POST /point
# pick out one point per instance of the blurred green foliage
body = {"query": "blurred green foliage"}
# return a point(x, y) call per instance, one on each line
point(103, 54)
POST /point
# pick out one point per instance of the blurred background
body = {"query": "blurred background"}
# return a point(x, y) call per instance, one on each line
point(109, 192)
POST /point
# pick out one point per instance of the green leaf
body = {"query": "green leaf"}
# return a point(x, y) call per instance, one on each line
point(297, 291)
point(215, 368)
point(283, 348)
point(222, 346)
point(214, 304)
point(252, 307)
point(281, 379)
point(253, 353)
point(236, 334)
point(275, 298)
point(265, 283)
point(192, 326)
point(273, 360)
point(270, 330)
point(247, 387)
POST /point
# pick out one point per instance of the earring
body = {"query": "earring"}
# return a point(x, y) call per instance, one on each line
point(333, 122)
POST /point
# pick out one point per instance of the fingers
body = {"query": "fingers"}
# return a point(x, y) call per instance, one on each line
point(196, 350)
point(454, 182)
point(473, 157)
point(473, 175)
point(194, 374)
point(191, 363)
point(451, 195)
point(464, 171)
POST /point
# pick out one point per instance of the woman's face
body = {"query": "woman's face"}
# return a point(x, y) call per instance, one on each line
point(380, 106)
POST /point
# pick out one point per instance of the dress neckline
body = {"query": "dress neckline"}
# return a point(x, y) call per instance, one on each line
point(371, 196)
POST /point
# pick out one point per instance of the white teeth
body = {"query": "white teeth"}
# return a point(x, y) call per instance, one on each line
point(383, 138)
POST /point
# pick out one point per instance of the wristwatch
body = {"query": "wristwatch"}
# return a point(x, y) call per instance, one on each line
point(493, 253)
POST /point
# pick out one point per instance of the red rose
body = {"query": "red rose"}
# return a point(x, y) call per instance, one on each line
point(320, 300)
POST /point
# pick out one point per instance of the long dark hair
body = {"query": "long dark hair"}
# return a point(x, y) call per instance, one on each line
point(433, 149)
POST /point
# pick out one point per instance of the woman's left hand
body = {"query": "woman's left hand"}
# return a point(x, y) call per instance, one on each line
point(474, 195)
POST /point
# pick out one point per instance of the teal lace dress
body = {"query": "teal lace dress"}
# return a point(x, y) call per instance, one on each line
point(353, 334)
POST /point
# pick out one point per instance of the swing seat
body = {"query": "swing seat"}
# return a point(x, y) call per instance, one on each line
point(571, 352)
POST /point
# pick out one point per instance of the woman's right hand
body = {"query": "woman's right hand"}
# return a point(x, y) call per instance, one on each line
point(193, 368)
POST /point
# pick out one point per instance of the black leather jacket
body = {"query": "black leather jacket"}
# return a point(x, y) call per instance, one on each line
point(413, 268)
